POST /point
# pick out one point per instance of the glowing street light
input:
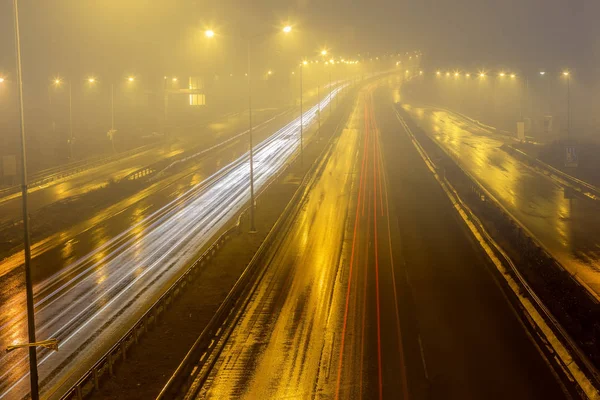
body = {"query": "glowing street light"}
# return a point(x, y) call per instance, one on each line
point(131, 79)
point(447, 73)
point(438, 73)
point(304, 62)
point(270, 72)
point(323, 52)
point(456, 74)
point(91, 79)
point(513, 76)
point(542, 73)
point(249, 41)
point(174, 79)
point(1, 79)
point(209, 33)
point(502, 74)
point(567, 75)
point(468, 75)
point(482, 74)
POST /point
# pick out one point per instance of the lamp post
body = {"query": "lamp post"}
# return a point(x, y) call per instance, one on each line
point(567, 75)
point(210, 34)
point(33, 371)
point(302, 64)
point(57, 83)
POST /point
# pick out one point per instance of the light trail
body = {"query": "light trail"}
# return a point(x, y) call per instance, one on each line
point(92, 302)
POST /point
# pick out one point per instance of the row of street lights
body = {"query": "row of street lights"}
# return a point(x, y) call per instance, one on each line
point(484, 74)
point(566, 74)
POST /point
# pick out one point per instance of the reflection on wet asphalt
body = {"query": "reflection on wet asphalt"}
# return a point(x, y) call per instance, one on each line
point(94, 298)
point(568, 227)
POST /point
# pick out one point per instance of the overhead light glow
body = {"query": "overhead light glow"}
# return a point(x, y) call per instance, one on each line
point(209, 33)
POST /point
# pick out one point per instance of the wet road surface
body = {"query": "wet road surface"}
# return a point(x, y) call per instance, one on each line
point(377, 291)
point(97, 295)
point(566, 225)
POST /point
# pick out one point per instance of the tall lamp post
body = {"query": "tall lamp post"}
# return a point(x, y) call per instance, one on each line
point(302, 64)
point(210, 34)
point(567, 75)
point(57, 83)
point(33, 371)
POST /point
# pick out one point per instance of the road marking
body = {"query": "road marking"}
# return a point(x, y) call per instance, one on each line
point(396, 306)
point(345, 323)
point(376, 248)
point(423, 357)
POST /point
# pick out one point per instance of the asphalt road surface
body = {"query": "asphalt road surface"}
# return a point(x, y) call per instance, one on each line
point(377, 291)
point(566, 225)
point(93, 178)
point(96, 295)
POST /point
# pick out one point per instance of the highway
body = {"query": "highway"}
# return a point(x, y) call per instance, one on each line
point(96, 295)
point(60, 245)
point(377, 290)
point(567, 227)
point(93, 178)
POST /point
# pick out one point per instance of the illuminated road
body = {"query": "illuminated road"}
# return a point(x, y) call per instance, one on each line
point(377, 291)
point(94, 299)
point(85, 181)
point(568, 228)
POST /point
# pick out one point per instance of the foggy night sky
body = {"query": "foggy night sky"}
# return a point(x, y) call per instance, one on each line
point(83, 36)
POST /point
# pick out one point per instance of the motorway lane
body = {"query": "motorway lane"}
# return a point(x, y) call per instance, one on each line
point(567, 227)
point(309, 329)
point(94, 178)
point(94, 299)
point(377, 291)
point(473, 344)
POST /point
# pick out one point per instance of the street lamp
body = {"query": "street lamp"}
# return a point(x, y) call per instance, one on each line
point(209, 33)
point(286, 30)
point(567, 75)
point(33, 369)
point(91, 80)
point(1, 79)
point(302, 65)
point(57, 83)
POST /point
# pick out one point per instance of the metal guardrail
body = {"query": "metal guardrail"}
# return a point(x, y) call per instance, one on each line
point(559, 331)
point(60, 172)
point(593, 191)
point(53, 174)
